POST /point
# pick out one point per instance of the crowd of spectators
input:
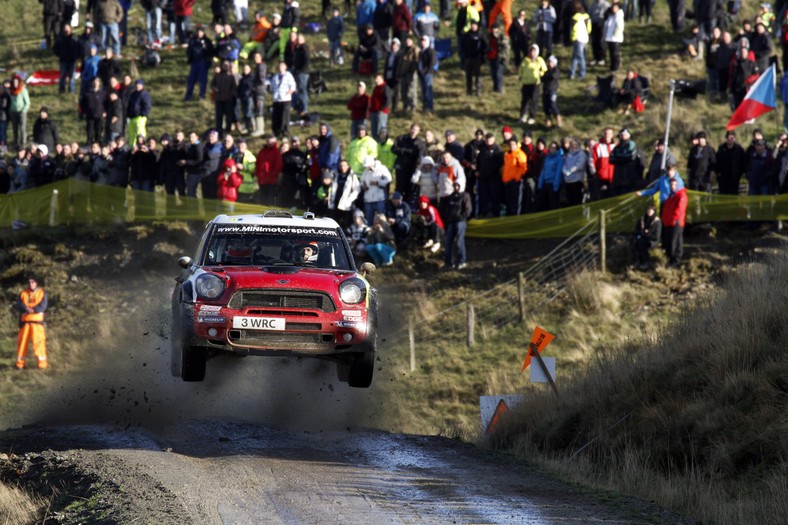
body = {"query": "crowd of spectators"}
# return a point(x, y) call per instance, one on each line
point(378, 180)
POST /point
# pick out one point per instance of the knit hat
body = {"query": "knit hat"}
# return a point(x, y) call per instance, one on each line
point(506, 129)
point(230, 163)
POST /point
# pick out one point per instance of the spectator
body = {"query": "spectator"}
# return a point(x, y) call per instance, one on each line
point(267, 171)
point(92, 107)
point(454, 146)
point(379, 106)
point(41, 168)
point(90, 69)
point(137, 110)
point(335, 28)
point(199, 53)
point(674, 213)
point(5, 105)
point(426, 23)
point(213, 151)
point(433, 148)
point(401, 20)
point(531, 71)
point(17, 110)
point(382, 20)
point(448, 172)
point(293, 187)
point(374, 181)
point(648, 233)
point(119, 163)
point(426, 69)
point(761, 45)
point(490, 162)
point(700, 163)
point(580, 36)
point(407, 67)
point(425, 179)
point(380, 242)
point(662, 157)
point(259, 80)
point(227, 47)
point(503, 8)
point(398, 214)
point(761, 170)
point(322, 194)
point(52, 15)
point(359, 108)
point(257, 36)
point(357, 234)
point(224, 89)
point(228, 183)
point(470, 163)
point(550, 93)
point(730, 164)
point(455, 210)
point(662, 184)
point(170, 170)
point(301, 61)
point(345, 189)
point(574, 173)
point(144, 172)
point(544, 19)
point(391, 73)
point(153, 21)
point(598, 12)
point(515, 166)
point(110, 14)
point(627, 164)
point(241, 12)
point(183, 15)
point(520, 37)
point(429, 225)
point(721, 52)
point(45, 130)
point(474, 50)
point(385, 153)
point(365, 59)
point(329, 150)
point(409, 149)
point(108, 67)
point(614, 34)
point(220, 10)
point(245, 96)
point(68, 51)
point(115, 116)
point(192, 163)
point(494, 55)
point(630, 95)
point(743, 72)
point(283, 85)
point(549, 184)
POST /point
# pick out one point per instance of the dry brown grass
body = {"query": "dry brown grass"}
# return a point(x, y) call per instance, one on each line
point(694, 421)
point(17, 506)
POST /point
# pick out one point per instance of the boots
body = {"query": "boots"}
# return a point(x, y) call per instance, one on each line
point(259, 128)
point(250, 125)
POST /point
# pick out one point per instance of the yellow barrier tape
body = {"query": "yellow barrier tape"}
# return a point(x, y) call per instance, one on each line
point(74, 201)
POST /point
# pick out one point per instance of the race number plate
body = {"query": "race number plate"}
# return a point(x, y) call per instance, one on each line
point(259, 323)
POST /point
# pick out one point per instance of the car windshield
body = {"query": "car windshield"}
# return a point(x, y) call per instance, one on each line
point(258, 245)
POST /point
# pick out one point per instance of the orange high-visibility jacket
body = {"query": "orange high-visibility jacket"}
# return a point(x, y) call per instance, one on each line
point(515, 166)
point(260, 30)
point(36, 299)
point(503, 8)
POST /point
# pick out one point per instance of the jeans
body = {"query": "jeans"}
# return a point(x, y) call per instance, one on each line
point(427, 98)
point(455, 236)
point(354, 124)
point(578, 59)
point(198, 72)
point(371, 208)
point(153, 18)
point(110, 34)
point(225, 114)
point(302, 81)
point(496, 73)
point(142, 185)
point(335, 51)
point(67, 71)
point(182, 26)
point(3, 132)
point(377, 121)
point(192, 181)
point(19, 124)
point(381, 253)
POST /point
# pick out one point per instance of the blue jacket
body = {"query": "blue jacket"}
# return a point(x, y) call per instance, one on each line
point(551, 170)
point(90, 69)
point(328, 152)
point(365, 12)
point(139, 104)
point(663, 187)
point(335, 28)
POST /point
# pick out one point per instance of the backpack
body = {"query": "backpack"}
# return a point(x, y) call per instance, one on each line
point(151, 58)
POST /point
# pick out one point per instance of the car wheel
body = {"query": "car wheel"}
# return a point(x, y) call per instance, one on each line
point(362, 366)
point(343, 371)
point(187, 361)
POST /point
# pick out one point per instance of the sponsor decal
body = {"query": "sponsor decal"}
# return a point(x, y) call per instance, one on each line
point(211, 319)
point(351, 313)
point(346, 324)
point(209, 308)
point(275, 230)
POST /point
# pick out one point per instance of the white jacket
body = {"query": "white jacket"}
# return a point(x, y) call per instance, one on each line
point(349, 193)
point(374, 181)
point(614, 27)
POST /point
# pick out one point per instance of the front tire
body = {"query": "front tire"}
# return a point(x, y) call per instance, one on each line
point(187, 361)
point(362, 366)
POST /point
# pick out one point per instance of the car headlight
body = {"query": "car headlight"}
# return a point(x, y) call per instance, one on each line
point(209, 286)
point(352, 291)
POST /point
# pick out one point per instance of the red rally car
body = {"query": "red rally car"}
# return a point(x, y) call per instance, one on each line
point(275, 285)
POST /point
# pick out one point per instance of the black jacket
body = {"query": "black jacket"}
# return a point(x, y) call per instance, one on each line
point(490, 162)
point(455, 207)
point(67, 48)
point(45, 132)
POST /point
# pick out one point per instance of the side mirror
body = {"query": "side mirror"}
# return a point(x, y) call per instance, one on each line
point(184, 262)
point(367, 268)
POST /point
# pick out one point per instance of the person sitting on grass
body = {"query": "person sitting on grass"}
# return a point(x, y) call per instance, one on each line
point(380, 242)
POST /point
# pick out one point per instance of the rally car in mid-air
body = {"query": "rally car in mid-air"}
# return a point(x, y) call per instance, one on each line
point(278, 285)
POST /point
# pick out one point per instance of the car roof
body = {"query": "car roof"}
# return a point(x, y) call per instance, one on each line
point(278, 218)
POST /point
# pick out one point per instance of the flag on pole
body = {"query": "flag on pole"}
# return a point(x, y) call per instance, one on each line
point(761, 98)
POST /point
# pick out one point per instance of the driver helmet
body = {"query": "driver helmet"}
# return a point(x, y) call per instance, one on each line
point(300, 251)
point(238, 249)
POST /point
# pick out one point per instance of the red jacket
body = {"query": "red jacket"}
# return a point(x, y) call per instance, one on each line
point(358, 106)
point(228, 187)
point(268, 165)
point(402, 20)
point(379, 102)
point(601, 157)
point(674, 210)
point(430, 214)
point(184, 7)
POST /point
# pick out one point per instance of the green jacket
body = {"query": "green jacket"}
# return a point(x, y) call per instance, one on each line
point(20, 103)
point(358, 150)
point(385, 155)
point(246, 169)
point(531, 71)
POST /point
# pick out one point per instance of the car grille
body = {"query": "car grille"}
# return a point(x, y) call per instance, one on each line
point(280, 339)
point(282, 299)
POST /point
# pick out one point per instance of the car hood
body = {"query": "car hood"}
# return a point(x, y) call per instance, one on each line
point(283, 277)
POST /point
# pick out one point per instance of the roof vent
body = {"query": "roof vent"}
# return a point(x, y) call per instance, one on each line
point(308, 215)
point(278, 213)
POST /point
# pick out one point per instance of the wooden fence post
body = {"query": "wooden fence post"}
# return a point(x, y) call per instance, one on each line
point(412, 343)
point(471, 323)
point(602, 242)
point(521, 294)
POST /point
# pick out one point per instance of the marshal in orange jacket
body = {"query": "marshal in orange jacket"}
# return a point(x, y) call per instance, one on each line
point(515, 166)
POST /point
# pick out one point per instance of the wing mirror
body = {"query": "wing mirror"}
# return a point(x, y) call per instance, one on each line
point(184, 262)
point(367, 268)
